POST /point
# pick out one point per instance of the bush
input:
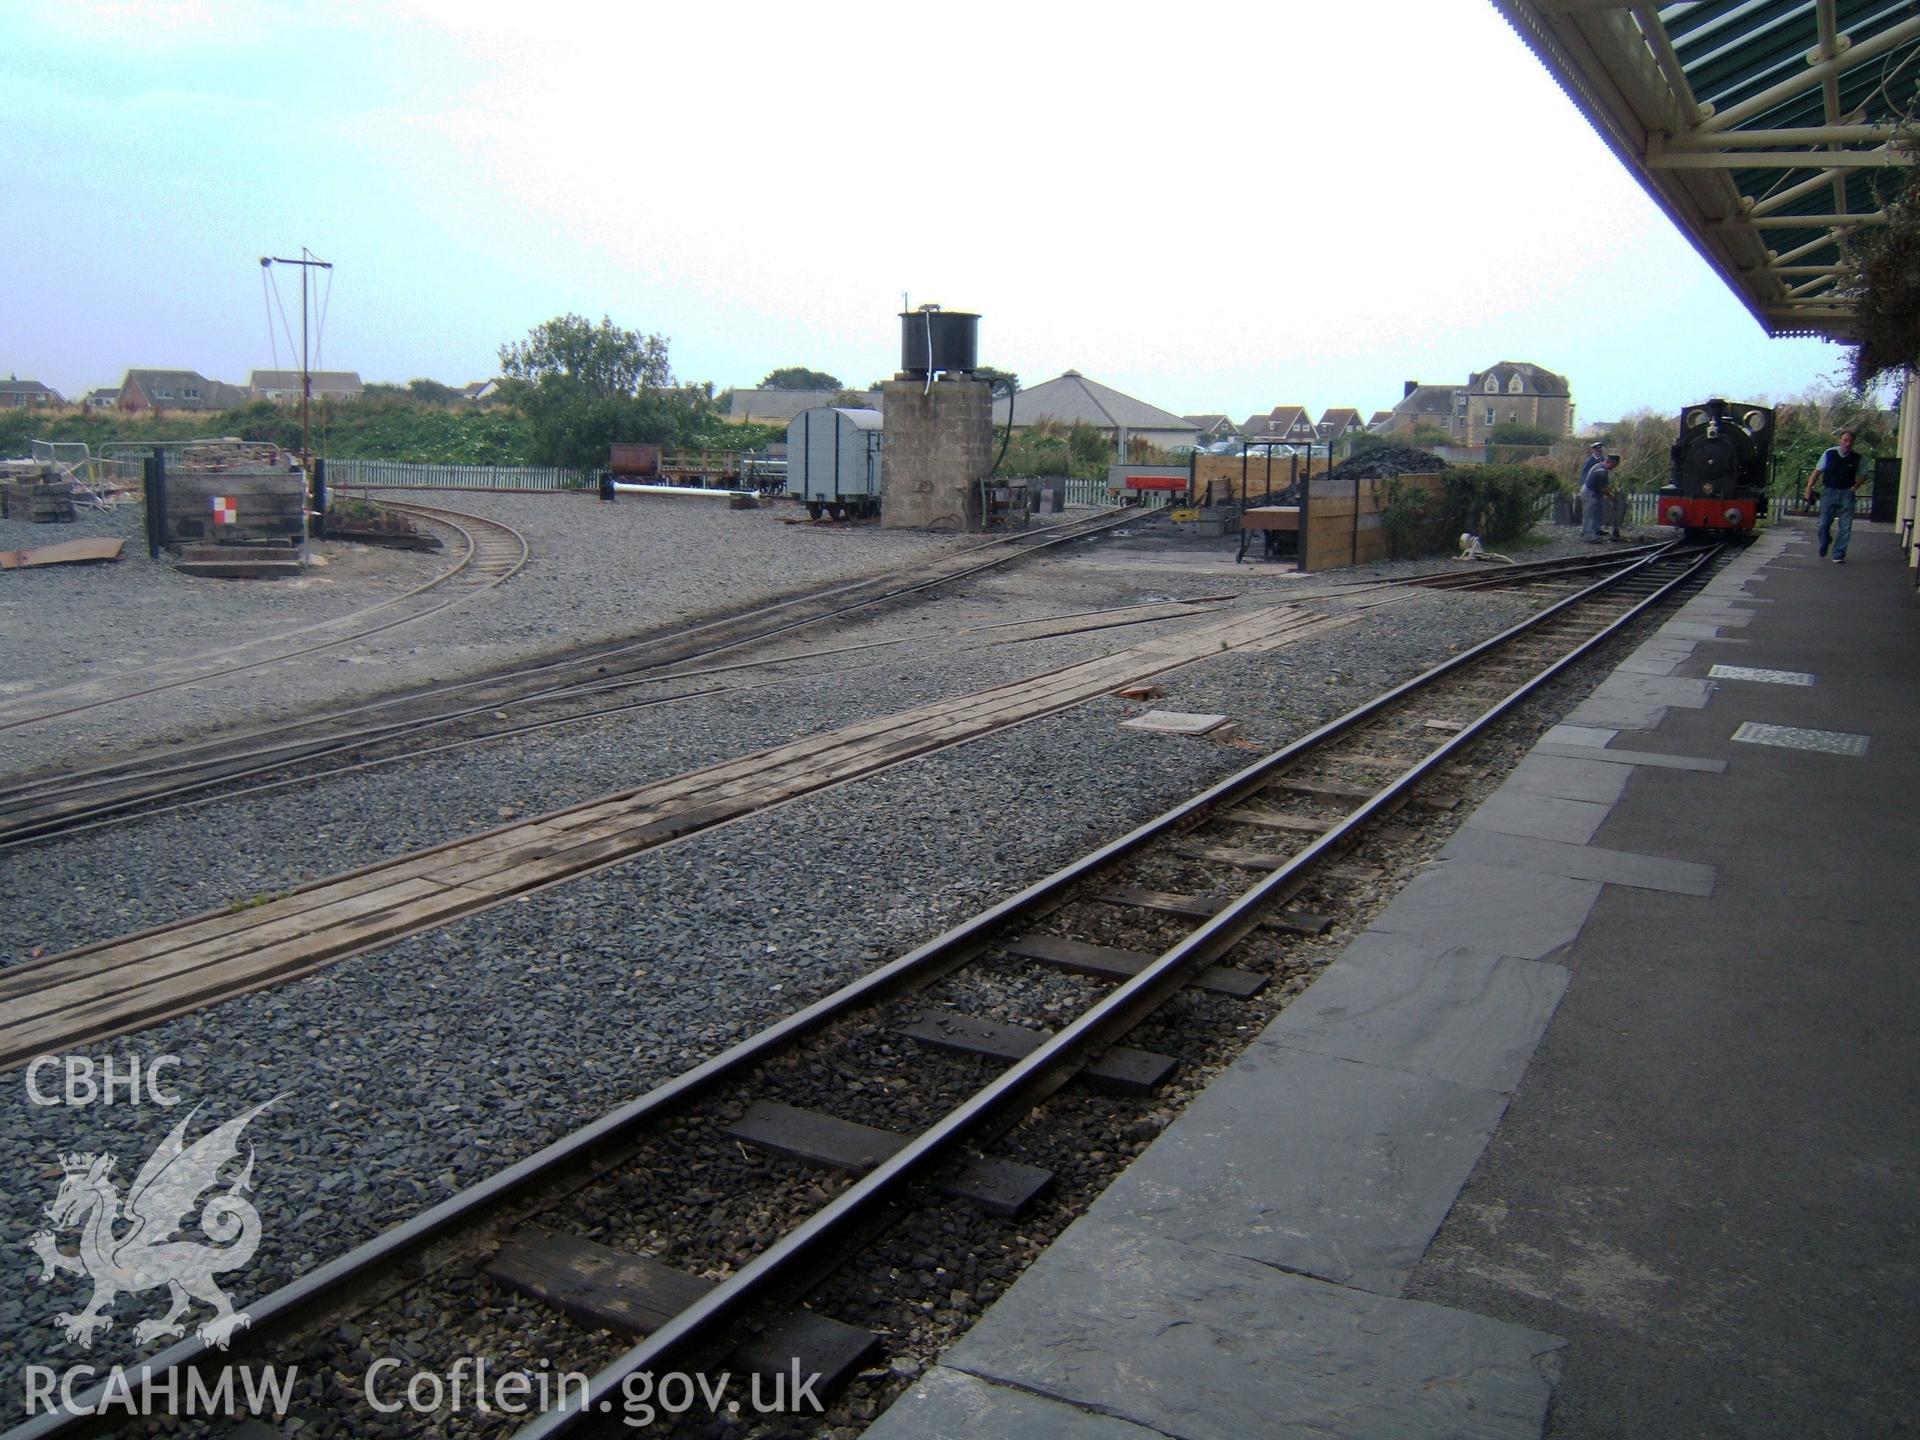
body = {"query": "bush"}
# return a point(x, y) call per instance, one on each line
point(1047, 447)
point(1404, 515)
point(1496, 502)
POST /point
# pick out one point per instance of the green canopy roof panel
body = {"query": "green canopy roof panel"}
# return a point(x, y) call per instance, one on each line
point(1761, 127)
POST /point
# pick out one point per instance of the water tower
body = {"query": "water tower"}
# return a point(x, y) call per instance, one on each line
point(939, 424)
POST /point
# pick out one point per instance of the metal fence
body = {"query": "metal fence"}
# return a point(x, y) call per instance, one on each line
point(1643, 508)
point(1094, 492)
point(403, 475)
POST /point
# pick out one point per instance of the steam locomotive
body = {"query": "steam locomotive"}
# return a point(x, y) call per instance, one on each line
point(1720, 468)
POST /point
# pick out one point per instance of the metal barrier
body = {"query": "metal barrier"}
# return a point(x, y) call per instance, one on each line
point(1643, 508)
point(404, 475)
point(1095, 493)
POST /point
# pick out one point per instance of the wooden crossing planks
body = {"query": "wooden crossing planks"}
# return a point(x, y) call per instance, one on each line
point(115, 986)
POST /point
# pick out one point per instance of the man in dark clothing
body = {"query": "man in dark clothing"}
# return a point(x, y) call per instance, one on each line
point(1835, 475)
point(1595, 492)
point(1596, 455)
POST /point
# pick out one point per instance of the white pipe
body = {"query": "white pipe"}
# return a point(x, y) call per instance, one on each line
point(626, 488)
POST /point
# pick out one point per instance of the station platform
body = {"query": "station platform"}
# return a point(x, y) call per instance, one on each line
point(1607, 1127)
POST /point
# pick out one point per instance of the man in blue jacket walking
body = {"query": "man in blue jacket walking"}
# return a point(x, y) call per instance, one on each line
point(1836, 474)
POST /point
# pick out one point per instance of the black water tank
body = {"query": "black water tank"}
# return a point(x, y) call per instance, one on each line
point(938, 340)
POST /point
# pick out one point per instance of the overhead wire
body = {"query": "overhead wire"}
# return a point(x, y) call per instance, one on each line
point(281, 302)
point(273, 341)
point(319, 357)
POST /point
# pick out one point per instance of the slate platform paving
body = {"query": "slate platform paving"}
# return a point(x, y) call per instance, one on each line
point(1606, 1128)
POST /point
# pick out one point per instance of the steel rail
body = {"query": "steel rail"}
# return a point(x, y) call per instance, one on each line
point(213, 755)
point(1492, 575)
point(284, 1312)
point(1092, 525)
point(1028, 1081)
point(202, 677)
point(100, 817)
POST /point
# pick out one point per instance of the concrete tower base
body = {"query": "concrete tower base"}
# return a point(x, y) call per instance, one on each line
point(939, 443)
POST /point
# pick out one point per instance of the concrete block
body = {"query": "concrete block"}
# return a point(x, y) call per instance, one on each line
point(1606, 756)
point(1311, 1163)
point(1493, 909)
point(952, 1405)
point(1202, 1346)
point(1672, 690)
point(1513, 811)
point(1460, 1016)
point(1569, 779)
point(1581, 862)
point(1564, 734)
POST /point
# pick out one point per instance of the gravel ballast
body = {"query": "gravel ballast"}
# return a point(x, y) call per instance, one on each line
point(412, 1070)
point(595, 572)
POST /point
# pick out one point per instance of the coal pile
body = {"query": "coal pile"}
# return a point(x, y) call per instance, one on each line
point(1386, 461)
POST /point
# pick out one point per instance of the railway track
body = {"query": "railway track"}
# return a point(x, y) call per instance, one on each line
point(1564, 573)
point(39, 807)
point(491, 553)
point(1142, 919)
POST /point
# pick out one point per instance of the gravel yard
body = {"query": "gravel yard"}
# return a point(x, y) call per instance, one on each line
point(412, 1070)
point(595, 572)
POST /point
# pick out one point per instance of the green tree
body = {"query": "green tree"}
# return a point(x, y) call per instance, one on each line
point(798, 377)
point(583, 387)
point(433, 392)
point(1880, 284)
point(1644, 442)
point(593, 361)
point(1807, 426)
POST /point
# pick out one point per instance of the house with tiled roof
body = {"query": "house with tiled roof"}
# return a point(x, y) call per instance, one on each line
point(175, 390)
point(283, 386)
point(1442, 406)
point(1284, 422)
point(1517, 393)
point(1073, 399)
point(1212, 427)
point(1509, 393)
point(1338, 422)
point(18, 394)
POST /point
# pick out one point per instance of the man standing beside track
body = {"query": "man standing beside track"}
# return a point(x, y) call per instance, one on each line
point(1596, 484)
point(1596, 455)
point(1836, 473)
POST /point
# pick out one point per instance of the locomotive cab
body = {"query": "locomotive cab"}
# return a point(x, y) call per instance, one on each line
point(1720, 469)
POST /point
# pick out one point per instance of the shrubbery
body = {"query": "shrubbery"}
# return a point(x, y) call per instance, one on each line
point(1048, 448)
point(1496, 502)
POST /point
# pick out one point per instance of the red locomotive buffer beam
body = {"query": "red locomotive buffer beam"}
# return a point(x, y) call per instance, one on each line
point(1720, 513)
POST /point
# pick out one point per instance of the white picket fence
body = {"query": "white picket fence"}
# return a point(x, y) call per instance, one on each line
point(404, 475)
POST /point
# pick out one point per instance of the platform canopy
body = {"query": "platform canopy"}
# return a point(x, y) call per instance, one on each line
point(1765, 128)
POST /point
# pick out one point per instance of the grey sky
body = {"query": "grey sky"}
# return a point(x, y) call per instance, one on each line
point(1214, 207)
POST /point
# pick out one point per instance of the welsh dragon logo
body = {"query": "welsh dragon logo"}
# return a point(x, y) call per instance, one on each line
point(147, 1255)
